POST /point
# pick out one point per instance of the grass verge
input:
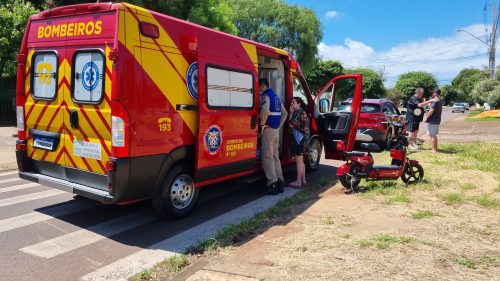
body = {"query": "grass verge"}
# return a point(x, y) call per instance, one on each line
point(234, 233)
point(422, 214)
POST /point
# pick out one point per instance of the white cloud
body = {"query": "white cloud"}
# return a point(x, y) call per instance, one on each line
point(331, 14)
point(444, 57)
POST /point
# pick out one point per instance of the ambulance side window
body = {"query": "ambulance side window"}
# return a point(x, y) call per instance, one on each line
point(229, 88)
point(88, 74)
point(44, 75)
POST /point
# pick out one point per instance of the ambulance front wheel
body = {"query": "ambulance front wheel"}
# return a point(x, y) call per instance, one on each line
point(178, 196)
point(312, 159)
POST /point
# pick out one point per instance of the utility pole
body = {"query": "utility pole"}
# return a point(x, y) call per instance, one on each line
point(493, 41)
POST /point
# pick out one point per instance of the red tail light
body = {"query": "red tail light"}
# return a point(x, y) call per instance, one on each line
point(110, 166)
point(21, 146)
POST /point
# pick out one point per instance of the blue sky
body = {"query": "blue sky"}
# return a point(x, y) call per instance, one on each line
point(400, 36)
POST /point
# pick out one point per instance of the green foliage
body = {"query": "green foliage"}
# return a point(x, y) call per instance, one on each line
point(449, 95)
point(13, 18)
point(321, 72)
point(408, 82)
point(452, 198)
point(217, 14)
point(373, 83)
point(421, 214)
point(488, 201)
point(394, 95)
point(276, 23)
point(486, 90)
point(465, 82)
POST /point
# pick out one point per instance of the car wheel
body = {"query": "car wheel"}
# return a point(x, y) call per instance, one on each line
point(314, 156)
point(388, 140)
point(178, 195)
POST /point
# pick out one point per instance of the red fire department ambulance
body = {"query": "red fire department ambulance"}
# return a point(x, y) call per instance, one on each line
point(118, 104)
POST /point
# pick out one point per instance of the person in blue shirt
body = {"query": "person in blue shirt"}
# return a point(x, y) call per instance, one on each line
point(272, 116)
point(433, 118)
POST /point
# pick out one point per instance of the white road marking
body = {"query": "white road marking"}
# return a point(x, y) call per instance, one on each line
point(18, 187)
point(175, 245)
point(83, 237)
point(10, 180)
point(36, 217)
point(29, 197)
point(9, 173)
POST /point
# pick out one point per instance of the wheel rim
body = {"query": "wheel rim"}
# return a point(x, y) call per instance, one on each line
point(313, 154)
point(412, 174)
point(182, 191)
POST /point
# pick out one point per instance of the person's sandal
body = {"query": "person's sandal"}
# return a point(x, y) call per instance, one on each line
point(294, 185)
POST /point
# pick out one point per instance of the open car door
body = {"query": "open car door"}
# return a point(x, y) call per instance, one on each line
point(337, 129)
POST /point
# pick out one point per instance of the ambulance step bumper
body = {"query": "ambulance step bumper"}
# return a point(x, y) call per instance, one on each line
point(79, 189)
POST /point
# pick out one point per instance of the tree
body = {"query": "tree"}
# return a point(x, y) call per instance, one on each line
point(465, 81)
point(373, 83)
point(13, 17)
point(449, 95)
point(273, 22)
point(408, 82)
point(395, 96)
point(487, 90)
point(217, 14)
point(321, 72)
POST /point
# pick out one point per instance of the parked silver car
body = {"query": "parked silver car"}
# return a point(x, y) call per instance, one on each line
point(459, 107)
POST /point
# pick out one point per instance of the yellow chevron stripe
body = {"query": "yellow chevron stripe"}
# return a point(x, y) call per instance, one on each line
point(153, 61)
point(252, 53)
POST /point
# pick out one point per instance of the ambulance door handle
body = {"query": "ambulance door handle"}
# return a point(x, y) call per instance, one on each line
point(73, 119)
point(253, 122)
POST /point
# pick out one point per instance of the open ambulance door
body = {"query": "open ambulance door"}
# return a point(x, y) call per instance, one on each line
point(337, 129)
point(228, 116)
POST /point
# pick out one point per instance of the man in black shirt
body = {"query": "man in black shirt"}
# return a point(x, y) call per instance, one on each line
point(415, 114)
point(433, 117)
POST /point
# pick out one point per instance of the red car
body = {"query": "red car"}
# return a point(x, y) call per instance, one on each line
point(376, 121)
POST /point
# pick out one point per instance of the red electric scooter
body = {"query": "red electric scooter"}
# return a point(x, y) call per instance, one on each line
point(359, 164)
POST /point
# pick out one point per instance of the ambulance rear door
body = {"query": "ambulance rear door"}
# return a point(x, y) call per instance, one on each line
point(337, 129)
point(228, 109)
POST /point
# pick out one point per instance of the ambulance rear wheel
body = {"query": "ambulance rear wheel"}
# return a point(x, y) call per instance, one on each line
point(178, 196)
point(314, 155)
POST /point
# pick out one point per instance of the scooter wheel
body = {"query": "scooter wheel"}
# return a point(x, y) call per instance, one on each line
point(345, 180)
point(413, 174)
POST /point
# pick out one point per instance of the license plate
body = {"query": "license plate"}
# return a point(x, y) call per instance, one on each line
point(43, 143)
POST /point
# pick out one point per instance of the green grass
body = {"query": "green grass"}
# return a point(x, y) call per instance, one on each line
point(172, 265)
point(422, 214)
point(236, 232)
point(486, 200)
point(452, 198)
point(484, 261)
point(328, 220)
point(477, 112)
point(468, 186)
point(465, 262)
point(398, 198)
point(384, 241)
point(474, 156)
point(365, 243)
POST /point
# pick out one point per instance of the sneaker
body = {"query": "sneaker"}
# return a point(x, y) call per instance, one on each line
point(281, 186)
point(413, 147)
point(271, 189)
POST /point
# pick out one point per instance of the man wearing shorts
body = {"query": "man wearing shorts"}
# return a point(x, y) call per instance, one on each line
point(415, 114)
point(433, 117)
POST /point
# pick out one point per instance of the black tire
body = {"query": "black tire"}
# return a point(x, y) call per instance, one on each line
point(345, 180)
point(178, 196)
point(388, 140)
point(412, 174)
point(314, 156)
